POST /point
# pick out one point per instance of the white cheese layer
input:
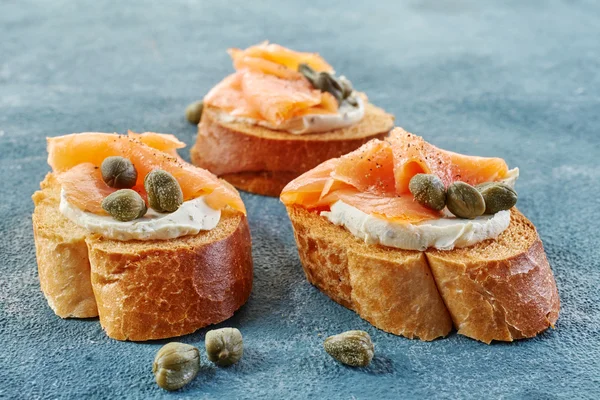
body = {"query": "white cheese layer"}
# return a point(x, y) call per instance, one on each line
point(192, 217)
point(443, 233)
point(312, 123)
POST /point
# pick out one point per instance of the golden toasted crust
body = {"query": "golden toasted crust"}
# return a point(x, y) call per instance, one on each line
point(391, 288)
point(63, 265)
point(263, 161)
point(499, 289)
point(143, 290)
point(496, 290)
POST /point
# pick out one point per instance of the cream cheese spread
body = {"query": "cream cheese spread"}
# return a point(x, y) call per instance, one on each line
point(443, 233)
point(347, 115)
point(190, 218)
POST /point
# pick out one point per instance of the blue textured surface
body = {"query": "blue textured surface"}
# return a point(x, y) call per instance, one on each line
point(513, 79)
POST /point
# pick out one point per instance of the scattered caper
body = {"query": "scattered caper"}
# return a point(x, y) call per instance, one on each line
point(164, 192)
point(124, 205)
point(353, 348)
point(429, 191)
point(118, 172)
point(464, 201)
point(497, 196)
point(224, 346)
point(193, 112)
point(176, 365)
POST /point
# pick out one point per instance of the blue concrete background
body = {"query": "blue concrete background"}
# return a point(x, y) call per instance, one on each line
point(515, 79)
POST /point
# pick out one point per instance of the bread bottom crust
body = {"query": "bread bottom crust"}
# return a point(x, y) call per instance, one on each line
point(141, 290)
point(488, 292)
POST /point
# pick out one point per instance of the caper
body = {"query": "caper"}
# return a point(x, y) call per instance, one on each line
point(464, 201)
point(193, 112)
point(429, 191)
point(224, 346)
point(346, 87)
point(497, 196)
point(308, 72)
point(353, 348)
point(124, 205)
point(164, 192)
point(328, 83)
point(176, 365)
point(118, 172)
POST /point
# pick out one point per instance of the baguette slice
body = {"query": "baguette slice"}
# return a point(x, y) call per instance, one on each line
point(496, 290)
point(263, 161)
point(391, 288)
point(141, 290)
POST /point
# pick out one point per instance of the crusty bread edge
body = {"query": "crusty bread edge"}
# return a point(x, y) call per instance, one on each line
point(538, 282)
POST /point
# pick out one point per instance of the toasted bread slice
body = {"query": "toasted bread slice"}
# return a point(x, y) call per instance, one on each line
point(496, 290)
point(392, 289)
point(263, 161)
point(141, 290)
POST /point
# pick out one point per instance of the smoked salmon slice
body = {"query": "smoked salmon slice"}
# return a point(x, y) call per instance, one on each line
point(267, 86)
point(261, 57)
point(375, 177)
point(76, 159)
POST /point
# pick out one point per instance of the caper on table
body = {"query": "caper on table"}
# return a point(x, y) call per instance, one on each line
point(224, 346)
point(353, 348)
point(124, 205)
point(464, 201)
point(193, 112)
point(175, 365)
point(118, 172)
point(498, 196)
point(164, 192)
point(428, 190)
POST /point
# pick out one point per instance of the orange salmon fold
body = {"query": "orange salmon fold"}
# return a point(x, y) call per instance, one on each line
point(76, 159)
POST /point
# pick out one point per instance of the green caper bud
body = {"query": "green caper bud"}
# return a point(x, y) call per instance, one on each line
point(164, 192)
point(346, 87)
point(497, 196)
point(464, 201)
point(176, 365)
point(429, 191)
point(308, 73)
point(118, 172)
point(328, 83)
point(193, 112)
point(224, 346)
point(353, 348)
point(125, 205)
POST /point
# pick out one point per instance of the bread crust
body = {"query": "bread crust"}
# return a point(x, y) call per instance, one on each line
point(506, 297)
point(391, 288)
point(495, 290)
point(263, 161)
point(62, 255)
point(143, 290)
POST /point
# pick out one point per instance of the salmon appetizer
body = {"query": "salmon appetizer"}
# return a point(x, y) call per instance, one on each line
point(419, 240)
point(127, 231)
point(76, 160)
point(279, 114)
